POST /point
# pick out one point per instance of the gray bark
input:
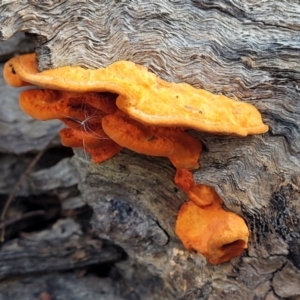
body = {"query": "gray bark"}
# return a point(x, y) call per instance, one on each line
point(59, 286)
point(248, 50)
point(62, 175)
point(63, 247)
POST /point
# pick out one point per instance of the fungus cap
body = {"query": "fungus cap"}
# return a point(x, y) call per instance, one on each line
point(182, 149)
point(203, 225)
point(217, 234)
point(12, 78)
point(82, 139)
point(147, 98)
point(46, 104)
point(99, 149)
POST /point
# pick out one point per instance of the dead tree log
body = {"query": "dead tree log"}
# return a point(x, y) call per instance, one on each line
point(53, 250)
point(245, 50)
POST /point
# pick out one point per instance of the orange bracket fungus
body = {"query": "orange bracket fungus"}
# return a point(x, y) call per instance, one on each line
point(156, 141)
point(145, 97)
point(203, 225)
point(125, 105)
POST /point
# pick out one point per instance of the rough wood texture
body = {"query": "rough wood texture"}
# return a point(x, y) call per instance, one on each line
point(63, 247)
point(61, 175)
point(89, 287)
point(248, 50)
point(60, 286)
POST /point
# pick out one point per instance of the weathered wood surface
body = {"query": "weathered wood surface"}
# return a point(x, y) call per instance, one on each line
point(248, 50)
point(89, 286)
point(63, 247)
point(60, 286)
point(61, 175)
